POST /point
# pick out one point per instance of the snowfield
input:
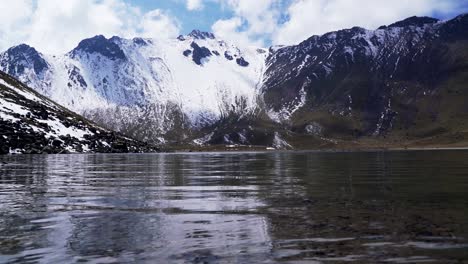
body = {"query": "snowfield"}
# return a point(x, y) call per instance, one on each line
point(133, 74)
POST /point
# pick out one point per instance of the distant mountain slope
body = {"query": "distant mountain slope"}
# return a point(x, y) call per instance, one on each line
point(408, 79)
point(33, 124)
point(190, 81)
point(405, 82)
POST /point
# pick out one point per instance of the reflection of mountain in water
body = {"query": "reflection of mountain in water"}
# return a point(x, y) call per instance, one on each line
point(117, 207)
point(233, 207)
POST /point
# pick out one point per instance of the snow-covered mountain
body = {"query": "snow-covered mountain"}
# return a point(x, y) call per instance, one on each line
point(196, 77)
point(396, 80)
point(30, 123)
point(345, 85)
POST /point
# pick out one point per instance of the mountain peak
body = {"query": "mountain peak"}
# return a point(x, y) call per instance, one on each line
point(23, 56)
point(101, 45)
point(414, 21)
point(22, 48)
point(197, 34)
point(461, 18)
point(455, 28)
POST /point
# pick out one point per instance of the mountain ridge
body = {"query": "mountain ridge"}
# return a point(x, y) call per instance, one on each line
point(349, 84)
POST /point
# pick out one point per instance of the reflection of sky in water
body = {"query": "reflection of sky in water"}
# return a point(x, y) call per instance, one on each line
point(116, 209)
point(232, 207)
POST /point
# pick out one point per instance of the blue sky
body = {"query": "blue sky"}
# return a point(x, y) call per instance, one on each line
point(198, 19)
point(55, 26)
point(203, 19)
point(213, 11)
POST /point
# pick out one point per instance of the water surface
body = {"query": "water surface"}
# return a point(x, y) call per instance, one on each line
point(285, 207)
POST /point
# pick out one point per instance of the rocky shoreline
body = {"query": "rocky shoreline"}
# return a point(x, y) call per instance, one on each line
point(16, 140)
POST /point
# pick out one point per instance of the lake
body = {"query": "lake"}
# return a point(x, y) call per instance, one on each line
point(275, 207)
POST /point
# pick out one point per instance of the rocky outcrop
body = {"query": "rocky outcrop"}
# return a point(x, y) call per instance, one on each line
point(32, 124)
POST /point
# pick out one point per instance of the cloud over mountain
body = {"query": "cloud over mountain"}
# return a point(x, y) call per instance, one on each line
point(56, 26)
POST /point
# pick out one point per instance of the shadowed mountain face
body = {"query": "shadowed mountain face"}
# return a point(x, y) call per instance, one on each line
point(22, 57)
point(27, 65)
point(406, 81)
point(100, 45)
point(409, 78)
point(413, 21)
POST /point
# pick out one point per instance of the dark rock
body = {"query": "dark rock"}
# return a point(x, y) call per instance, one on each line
point(140, 42)
point(67, 123)
point(43, 114)
point(120, 146)
point(181, 38)
point(79, 148)
point(228, 56)
point(21, 57)
point(100, 45)
point(199, 53)
point(56, 143)
point(187, 53)
point(76, 77)
point(197, 34)
point(242, 62)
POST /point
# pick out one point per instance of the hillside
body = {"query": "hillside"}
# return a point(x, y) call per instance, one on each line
point(33, 124)
point(402, 83)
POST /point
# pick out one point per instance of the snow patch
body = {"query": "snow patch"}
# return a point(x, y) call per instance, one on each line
point(288, 110)
point(203, 140)
point(279, 143)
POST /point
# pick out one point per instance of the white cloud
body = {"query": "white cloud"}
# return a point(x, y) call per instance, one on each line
point(228, 29)
point(257, 22)
point(261, 15)
point(252, 23)
point(194, 4)
point(157, 24)
point(315, 17)
point(15, 12)
point(54, 26)
point(12, 20)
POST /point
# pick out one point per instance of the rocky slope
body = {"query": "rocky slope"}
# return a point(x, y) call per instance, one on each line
point(405, 82)
point(33, 124)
